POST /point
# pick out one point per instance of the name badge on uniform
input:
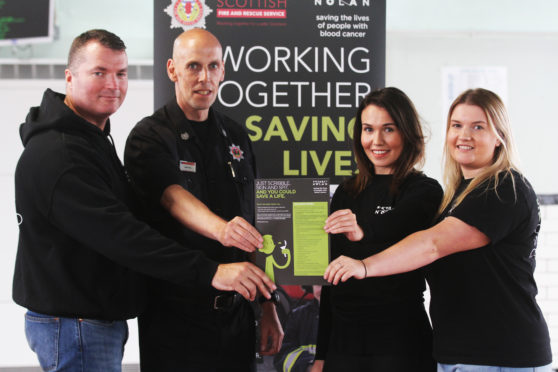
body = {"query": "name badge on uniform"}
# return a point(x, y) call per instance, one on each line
point(188, 166)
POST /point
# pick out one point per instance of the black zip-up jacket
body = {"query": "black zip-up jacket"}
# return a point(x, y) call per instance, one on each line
point(80, 247)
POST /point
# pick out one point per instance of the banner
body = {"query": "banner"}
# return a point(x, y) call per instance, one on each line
point(295, 72)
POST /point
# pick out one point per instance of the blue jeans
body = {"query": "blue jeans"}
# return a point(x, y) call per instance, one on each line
point(475, 368)
point(76, 345)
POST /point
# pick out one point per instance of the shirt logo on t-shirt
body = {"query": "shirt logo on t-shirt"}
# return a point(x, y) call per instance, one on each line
point(536, 234)
point(382, 209)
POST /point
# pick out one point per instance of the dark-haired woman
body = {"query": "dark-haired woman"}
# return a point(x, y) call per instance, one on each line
point(379, 324)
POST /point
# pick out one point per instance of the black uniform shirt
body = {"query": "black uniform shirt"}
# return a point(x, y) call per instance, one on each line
point(164, 149)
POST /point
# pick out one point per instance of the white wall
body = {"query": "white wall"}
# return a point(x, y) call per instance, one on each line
point(472, 15)
point(131, 20)
point(546, 273)
point(415, 61)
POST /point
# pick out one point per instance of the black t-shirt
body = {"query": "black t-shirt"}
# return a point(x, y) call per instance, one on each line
point(483, 306)
point(214, 161)
point(380, 309)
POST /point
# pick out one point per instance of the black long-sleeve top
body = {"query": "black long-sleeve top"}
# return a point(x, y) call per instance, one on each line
point(385, 219)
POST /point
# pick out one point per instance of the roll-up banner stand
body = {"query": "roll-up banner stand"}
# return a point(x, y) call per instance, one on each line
point(295, 72)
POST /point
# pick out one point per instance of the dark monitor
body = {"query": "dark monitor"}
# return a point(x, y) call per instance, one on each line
point(26, 21)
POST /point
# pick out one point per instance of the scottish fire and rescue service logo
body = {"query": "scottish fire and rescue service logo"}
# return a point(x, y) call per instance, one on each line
point(236, 152)
point(188, 13)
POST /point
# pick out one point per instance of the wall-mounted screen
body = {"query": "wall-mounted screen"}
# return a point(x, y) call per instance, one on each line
point(26, 21)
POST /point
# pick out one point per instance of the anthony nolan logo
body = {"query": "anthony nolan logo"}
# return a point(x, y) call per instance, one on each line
point(236, 152)
point(188, 13)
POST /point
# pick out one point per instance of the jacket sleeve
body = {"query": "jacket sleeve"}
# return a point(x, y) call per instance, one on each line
point(84, 206)
point(415, 209)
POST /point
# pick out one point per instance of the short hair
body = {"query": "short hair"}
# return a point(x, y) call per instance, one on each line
point(504, 159)
point(406, 118)
point(103, 37)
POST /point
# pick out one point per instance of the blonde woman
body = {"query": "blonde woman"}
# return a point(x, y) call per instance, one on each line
point(481, 253)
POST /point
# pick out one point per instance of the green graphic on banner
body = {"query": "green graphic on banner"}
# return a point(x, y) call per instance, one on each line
point(270, 263)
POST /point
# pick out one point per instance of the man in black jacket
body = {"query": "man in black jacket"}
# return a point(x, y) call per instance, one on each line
point(80, 247)
point(190, 162)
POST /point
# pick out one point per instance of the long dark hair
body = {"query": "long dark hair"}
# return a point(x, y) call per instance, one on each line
point(405, 117)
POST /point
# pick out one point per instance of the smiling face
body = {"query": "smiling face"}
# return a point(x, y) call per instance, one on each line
point(381, 139)
point(196, 68)
point(96, 84)
point(470, 140)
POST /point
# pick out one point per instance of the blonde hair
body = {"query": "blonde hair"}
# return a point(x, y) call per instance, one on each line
point(503, 161)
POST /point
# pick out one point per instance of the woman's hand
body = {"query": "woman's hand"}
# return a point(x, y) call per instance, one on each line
point(344, 221)
point(343, 268)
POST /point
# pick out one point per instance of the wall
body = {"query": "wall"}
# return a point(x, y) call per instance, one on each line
point(133, 21)
point(546, 273)
point(415, 61)
point(472, 15)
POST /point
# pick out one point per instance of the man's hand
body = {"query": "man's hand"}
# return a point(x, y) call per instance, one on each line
point(344, 221)
point(244, 278)
point(241, 234)
point(195, 215)
point(271, 330)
